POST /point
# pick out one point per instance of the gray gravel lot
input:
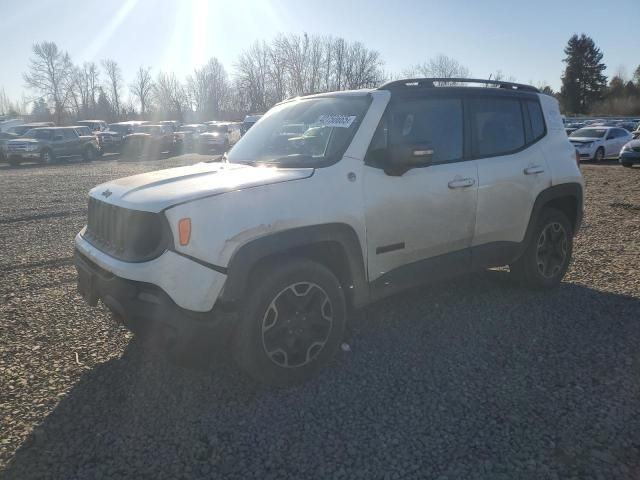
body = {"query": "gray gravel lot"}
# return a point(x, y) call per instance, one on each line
point(475, 378)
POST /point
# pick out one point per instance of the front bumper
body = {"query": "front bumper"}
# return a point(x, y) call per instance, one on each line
point(144, 307)
point(24, 155)
point(630, 156)
point(189, 284)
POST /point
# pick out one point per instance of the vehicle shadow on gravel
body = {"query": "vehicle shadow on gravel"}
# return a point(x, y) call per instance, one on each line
point(473, 378)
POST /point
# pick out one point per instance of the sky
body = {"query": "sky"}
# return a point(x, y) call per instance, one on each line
point(525, 41)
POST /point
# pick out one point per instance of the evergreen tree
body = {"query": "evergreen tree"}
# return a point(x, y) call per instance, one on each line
point(583, 81)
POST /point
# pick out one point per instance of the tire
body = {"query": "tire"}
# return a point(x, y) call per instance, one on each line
point(14, 162)
point(47, 156)
point(627, 165)
point(599, 155)
point(292, 323)
point(546, 258)
point(89, 154)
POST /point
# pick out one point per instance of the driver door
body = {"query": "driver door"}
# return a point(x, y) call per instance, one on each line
point(419, 224)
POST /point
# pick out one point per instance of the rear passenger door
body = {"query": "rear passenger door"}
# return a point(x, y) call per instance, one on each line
point(506, 143)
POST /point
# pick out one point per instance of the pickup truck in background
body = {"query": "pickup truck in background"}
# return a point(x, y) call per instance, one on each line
point(46, 145)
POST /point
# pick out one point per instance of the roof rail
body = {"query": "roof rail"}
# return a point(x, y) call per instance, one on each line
point(431, 82)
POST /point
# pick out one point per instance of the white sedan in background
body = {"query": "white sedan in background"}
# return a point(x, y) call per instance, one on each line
point(598, 143)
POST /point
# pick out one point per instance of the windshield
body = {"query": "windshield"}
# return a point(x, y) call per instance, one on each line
point(151, 129)
point(217, 128)
point(119, 128)
point(39, 133)
point(307, 132)
point(589, 133)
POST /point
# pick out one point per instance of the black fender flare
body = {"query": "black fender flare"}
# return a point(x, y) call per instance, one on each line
point(281, 243)
point(563, 190)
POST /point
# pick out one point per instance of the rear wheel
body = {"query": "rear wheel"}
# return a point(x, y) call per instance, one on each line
point(292, 323)
point(599, 155)
point(546, 259)
point(47, 156)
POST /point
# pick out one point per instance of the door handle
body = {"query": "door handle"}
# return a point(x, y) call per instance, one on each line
point(461, 183)
point(534, 169)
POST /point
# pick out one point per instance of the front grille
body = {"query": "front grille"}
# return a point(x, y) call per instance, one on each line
point(636, 149)
point(17, 147)
point(129, 235)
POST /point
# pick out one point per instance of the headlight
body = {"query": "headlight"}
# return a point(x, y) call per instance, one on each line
point(215, 134)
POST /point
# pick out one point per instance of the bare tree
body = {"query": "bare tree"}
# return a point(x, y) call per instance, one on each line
point(252, 75)
point(114, 80)
point(170, 96)
point(142, 89)
point(440, 66)
point(50, 72)
point(208, 89)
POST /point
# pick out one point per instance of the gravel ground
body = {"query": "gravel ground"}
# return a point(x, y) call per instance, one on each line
point(471, 379)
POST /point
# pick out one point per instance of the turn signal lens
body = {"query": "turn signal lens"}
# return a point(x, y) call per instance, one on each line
point(184, 230)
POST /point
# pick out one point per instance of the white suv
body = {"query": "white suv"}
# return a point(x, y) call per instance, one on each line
point(382, 190)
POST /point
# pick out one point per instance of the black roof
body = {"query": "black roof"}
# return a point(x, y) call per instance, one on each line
point(433, 82)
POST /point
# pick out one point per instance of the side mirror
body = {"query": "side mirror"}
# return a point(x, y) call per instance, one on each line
point(57, 138)
point(403, 158)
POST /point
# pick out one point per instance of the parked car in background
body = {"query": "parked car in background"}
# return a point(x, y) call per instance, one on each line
point(22, 129)
point(48, 144)
point(248, 122)
point(86, 132)
point(186, 138)
point(599, 143)
point(218, 137)
point(149, 140)
point(636, 134)
point(4, 139)
point(174, 124)
point(93, 125)
point(111, 139)
point(630, 153)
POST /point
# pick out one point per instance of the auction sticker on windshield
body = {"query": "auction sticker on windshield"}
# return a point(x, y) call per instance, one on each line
point(338, 121)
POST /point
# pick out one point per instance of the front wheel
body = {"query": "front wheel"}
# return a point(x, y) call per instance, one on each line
point(547, 256)
point(47, 157)
point(292, 324)
point(599, 155)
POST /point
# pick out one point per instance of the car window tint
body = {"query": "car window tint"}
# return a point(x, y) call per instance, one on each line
point(433, 121)
point(536, 118)
point(496, 126)
point(68, 134)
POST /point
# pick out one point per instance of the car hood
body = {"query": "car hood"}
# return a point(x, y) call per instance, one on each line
point(24, 140)
point(584, 139)
point(156, 191)
point(634, 143)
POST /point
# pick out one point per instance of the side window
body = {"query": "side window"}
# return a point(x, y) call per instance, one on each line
point(536, 119)
point(436, 122)
point(68, 134)
point(496, 126)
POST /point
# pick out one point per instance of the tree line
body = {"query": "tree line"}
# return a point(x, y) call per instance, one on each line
point(269, 72)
